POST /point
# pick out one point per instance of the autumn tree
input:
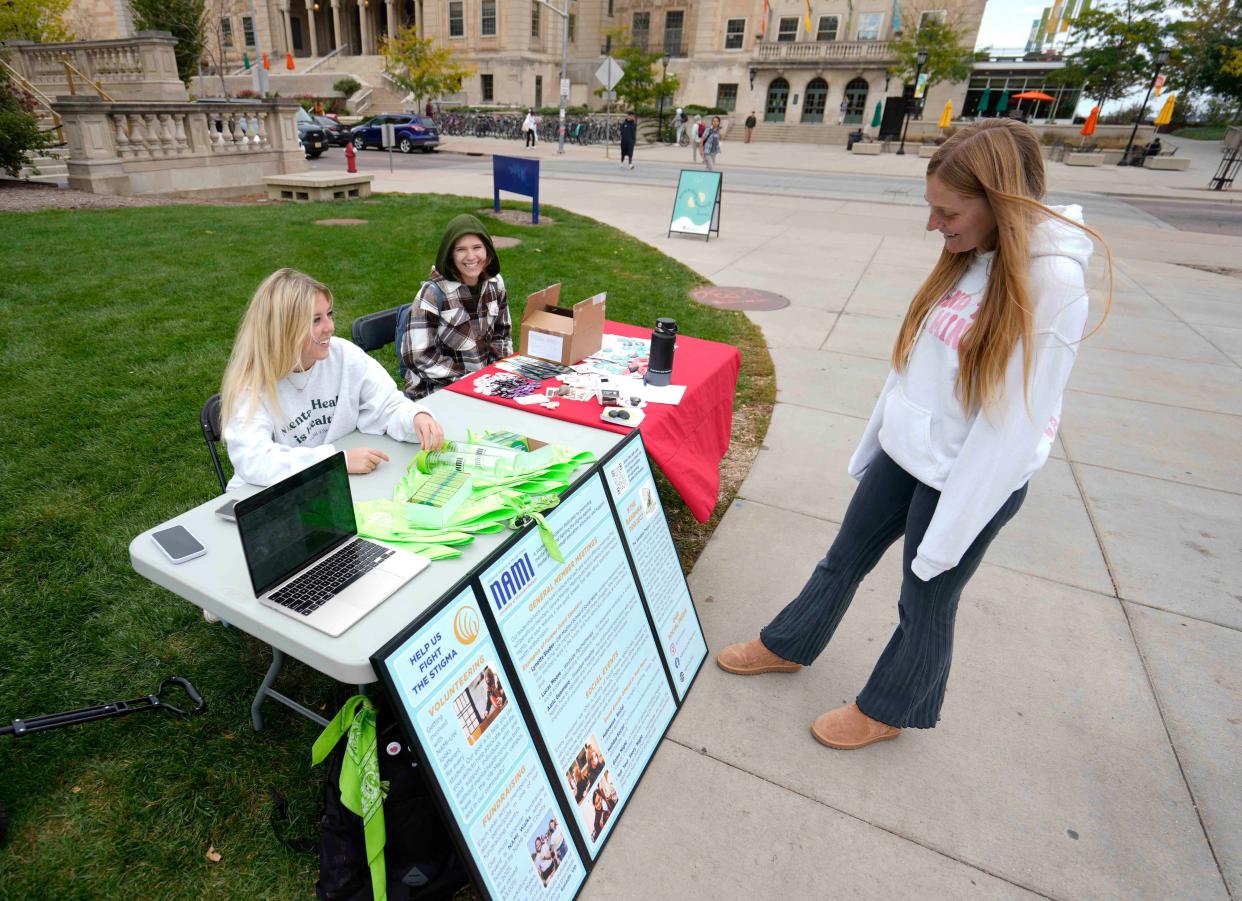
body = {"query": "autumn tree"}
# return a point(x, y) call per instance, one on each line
point(950, 58)
point(421, 66)
point(643, 82)
point(1116, 49)
point(41, 21)
point(186, 20)
point(19, 130)
point(1206, 61)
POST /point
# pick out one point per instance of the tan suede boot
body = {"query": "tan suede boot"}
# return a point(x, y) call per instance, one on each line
point(848, 729)
point(750, 658)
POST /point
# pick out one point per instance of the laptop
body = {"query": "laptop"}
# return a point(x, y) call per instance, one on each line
point(304, 554)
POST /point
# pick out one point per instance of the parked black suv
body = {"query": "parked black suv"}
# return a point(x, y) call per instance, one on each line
point(314, 139)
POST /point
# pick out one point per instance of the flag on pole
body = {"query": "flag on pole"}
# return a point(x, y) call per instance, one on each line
point(763, 22)
point(807, 3)
point(896, 18)
point(1166, 111)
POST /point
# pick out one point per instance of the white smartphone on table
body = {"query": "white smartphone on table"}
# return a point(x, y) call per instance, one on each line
point(178, 544)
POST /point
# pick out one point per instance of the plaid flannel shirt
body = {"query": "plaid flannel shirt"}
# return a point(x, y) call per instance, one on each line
point(443, 342)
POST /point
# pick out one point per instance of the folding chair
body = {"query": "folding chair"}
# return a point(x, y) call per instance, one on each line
point(374, 330)
point(209, 419)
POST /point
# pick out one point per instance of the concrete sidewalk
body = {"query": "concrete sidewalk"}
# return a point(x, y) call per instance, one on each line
point(1124, 181)
point(1089, 747)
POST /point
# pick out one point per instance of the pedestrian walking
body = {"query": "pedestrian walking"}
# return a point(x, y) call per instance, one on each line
point(968, 414)
point(629, 136)
point(529, 128)
point(679, 125)
point(697, 131)
point(751, 122)
point(711, 144)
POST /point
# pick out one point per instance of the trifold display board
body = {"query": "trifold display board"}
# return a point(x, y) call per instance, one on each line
point(536, 692)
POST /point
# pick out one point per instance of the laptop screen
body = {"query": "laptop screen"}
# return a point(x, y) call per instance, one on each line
point(288, 526)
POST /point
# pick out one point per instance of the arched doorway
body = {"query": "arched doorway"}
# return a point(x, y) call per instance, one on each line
point(815, 101)
point(778, 100)
point(856, 100)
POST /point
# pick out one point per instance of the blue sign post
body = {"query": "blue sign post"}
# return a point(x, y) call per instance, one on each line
point(517, 176)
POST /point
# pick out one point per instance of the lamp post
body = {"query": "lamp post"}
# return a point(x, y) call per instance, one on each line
point(564, 14)
point(1162, 57)
point(663, 78)
point(921, 59)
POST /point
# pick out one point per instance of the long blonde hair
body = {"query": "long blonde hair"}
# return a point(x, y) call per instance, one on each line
point(269, 340)
point(998, 160)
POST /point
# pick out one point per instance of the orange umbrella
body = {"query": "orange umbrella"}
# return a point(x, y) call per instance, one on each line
point(266, 62)
point(1088, 127)
point(1032, 95)
point(288, 60)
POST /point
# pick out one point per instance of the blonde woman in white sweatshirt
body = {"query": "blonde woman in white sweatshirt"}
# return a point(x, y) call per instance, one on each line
point(291, 389)
point(967, 416)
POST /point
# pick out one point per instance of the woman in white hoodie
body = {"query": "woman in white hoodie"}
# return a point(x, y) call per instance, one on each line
point(968, 414)
point(291, 389)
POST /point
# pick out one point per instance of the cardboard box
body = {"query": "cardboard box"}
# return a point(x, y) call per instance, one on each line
point(565, 336)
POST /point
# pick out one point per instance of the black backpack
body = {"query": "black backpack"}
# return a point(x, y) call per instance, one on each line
point(420, 861)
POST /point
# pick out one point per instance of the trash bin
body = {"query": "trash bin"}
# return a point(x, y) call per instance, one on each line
point(854, 137)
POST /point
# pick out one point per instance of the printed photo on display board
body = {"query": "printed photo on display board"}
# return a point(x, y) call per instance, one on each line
point(632, 487)
point(450, 683)
point(583, 652)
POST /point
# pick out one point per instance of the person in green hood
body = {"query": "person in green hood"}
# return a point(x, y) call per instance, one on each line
point(459, 321)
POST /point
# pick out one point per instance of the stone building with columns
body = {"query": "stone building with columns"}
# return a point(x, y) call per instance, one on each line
point(799, 80)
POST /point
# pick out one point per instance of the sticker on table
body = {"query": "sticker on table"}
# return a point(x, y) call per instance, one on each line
point(633, 489)
point(583, 651)
point(448, 677)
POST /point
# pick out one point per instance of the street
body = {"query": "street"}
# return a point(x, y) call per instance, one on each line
point(1102, 210)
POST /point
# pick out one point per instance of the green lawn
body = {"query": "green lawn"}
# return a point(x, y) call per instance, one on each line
point(1201, 132)
point(117, 326)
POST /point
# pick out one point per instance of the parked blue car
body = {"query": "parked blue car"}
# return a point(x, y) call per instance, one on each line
point(410, 132)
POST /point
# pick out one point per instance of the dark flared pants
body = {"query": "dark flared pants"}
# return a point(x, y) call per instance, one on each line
point(907, 686)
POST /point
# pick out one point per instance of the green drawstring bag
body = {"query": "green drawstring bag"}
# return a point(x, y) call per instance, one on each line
point(495, 503)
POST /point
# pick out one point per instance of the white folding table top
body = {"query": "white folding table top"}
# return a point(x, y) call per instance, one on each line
point(219, 582)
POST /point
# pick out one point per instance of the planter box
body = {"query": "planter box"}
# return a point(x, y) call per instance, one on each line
point(927, 151)
point(1168, 163)
point(1084, 159)
point(868, 149)
point(1112, 157)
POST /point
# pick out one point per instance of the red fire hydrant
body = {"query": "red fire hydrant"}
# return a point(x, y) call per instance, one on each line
point(350, 165)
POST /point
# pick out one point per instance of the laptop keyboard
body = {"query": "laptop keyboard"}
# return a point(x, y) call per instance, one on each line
point(318, 585)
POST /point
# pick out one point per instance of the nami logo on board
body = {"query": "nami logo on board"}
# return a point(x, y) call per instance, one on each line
point(514, 579)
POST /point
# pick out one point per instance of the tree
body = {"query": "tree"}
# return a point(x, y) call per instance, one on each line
point(186, 20)
point(1117, 48)
point(949, 56)
point(1207, 44)
point(421, 66)
point(642, 83)
point(19, 130)
point(41, 21)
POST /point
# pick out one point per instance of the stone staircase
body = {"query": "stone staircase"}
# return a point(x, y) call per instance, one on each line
point(50, 168)
point(385, 97)
point(785, 133)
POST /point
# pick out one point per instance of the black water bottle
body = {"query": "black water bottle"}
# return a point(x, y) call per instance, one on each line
point(663, 342)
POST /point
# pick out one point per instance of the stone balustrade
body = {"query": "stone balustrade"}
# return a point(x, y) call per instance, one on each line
point(139, 68)
point(818, 52)
point(206, 149)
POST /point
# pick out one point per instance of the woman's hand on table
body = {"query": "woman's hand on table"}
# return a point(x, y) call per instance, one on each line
point(430, 435)
point(362, 460)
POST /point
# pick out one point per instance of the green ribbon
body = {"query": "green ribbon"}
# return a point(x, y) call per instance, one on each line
point(362, 792)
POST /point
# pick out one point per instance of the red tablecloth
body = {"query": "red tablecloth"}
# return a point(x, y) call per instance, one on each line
point(687, 441)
